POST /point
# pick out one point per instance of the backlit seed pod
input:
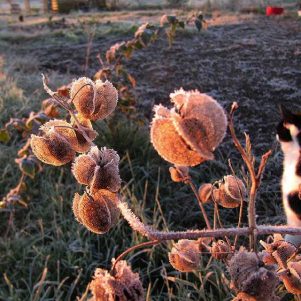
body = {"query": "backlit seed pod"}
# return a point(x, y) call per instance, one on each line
point(205, 192)
point(193, 104)
point(292, 277)
point(249, 275)
point(98, 213)
point(220, 250)
point(189, 133)
point(179, 173)
point(52, 149)
point(98, 169)
point(123, 284)
point(185, 255)
point(94, 100)
point(169, 144)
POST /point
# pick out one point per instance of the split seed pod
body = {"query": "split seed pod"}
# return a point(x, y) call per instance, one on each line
point(188, 134)
point(123, 285)
point(98, 213)
point(93, 100)
point(230, 192)
point(52, 148)
point(185, 255)
point(98, 169)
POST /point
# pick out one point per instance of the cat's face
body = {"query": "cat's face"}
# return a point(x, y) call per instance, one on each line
point(289, 128)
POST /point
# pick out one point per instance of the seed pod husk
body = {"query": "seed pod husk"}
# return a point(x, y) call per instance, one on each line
point(205, 191)
point(179, 173)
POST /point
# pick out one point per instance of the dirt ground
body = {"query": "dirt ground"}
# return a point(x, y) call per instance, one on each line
point(251, 59)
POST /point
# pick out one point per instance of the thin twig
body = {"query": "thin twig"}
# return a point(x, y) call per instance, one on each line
point(193, 188)
point(133, 248)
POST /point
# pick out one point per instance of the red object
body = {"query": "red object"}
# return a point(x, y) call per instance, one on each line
point(274, 10)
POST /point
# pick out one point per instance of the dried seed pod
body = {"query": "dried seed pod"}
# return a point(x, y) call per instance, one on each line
point(193, 104)
point(267, 258)
point(98, 169)
point(123, 285)
point(242, 296)
point(220, 250)
point(292, 277)
point(50, 108)
point(230, 192)
point(169, 144)
point(83, 93)
point(280, 250)
point(52, 149)
point(192, 130)
point(98, 213)
point(249, 275)
point(94, 100)
point(205, 191)
point(185, 255)
point(179, 173)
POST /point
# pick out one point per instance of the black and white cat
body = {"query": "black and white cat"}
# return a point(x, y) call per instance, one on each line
point(289, 135)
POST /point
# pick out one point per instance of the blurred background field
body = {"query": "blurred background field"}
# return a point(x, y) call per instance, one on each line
point(242, 56)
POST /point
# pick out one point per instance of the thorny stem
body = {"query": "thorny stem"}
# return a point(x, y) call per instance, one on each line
point(193, 188)
point(255, 178)
point(133, 248)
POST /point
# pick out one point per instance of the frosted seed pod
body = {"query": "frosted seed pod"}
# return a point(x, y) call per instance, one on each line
point(205, 192)
point(98, 213)
point(220, 250)
point(169, 144)
point(223, 199)
point(123, 284)
point(242, 296)
point(179, 173)
point(83, 93)
point(185, 255)
point(105, 100)
point(52, 149)
point(234, 187)
point(83, 169)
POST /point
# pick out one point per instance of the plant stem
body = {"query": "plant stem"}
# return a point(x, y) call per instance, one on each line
point(133, 248)
point(193, 188)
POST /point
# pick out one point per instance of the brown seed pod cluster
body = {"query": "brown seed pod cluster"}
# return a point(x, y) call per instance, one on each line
point(98, 169)
point(93, 100)
point(250, 276)
point(123, 284)
point(187, 134)
point(291, 277)
point(185, 255)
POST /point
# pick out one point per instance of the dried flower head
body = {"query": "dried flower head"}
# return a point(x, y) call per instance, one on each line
point(123, 285)
point(205, 192)
point(279, 250)
point(98, 213)
point(93, 100)
point(291, 277)
point(230, 192)
point(179, 173)
point(220, 250)
point(249, 275)
point(98, 169)
point(188, 134)
point(185, 255)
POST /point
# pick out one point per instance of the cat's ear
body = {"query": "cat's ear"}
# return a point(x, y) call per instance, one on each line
point(287, 115)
